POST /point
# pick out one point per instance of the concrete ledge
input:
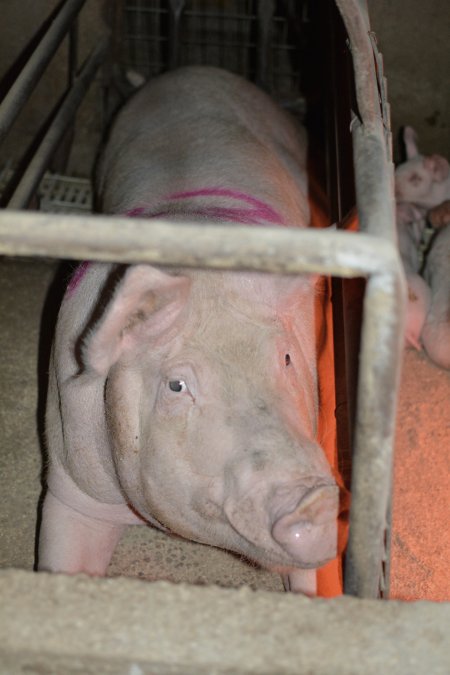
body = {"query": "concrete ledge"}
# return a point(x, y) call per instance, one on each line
point(58, 624)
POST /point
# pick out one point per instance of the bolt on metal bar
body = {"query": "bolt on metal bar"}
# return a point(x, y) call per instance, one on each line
point(35, 66)
point(36, 168)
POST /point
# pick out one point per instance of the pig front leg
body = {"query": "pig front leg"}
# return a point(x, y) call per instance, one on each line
point(301, 581)
point(78, 533)
point(73, 542)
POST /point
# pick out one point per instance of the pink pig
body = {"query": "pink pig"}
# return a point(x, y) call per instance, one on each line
point(411, 223)
point(189, 399)
point(423, 181)
point(422, 189)
point(436, 331)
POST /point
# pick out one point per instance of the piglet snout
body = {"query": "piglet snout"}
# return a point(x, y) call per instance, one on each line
point(308, 533)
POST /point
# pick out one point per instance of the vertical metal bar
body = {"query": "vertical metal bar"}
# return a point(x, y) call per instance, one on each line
point(264, 49)
point(380, 357)
point(118, 17)
point(21, 90)
point(382, 339)
point(73, 52)
point(176, 8)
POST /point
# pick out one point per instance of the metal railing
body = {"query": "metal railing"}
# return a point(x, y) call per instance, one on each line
point(63, 23)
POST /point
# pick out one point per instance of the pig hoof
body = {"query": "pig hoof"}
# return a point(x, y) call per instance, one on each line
point(301, 581)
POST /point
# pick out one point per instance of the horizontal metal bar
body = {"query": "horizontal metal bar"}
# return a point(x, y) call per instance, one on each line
point(35, 66)
point(36, 169)
point(134, 240)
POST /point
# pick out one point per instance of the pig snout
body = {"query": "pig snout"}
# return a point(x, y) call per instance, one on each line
point(293, 525)
point(308, 533)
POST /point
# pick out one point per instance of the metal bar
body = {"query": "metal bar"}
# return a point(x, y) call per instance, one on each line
point(381, 349)
point(265, 15)
point(354, 14)
point(133, 240)
point(176, 8)
point(381, 343)
point(35, 66)
point(64, 116)
point(73, 52)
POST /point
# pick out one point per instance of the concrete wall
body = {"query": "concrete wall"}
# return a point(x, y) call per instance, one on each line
point(414, 39)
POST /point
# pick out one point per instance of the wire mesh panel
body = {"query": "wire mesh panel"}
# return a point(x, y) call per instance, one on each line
point(255, 38)
point(65, 194)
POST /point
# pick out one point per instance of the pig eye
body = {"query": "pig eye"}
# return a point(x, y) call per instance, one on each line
point(178, 386)
point(287, 359)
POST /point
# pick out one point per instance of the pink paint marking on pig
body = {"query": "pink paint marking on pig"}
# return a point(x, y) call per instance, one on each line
point(77, 276)
point(137, 212)
point(260, 214)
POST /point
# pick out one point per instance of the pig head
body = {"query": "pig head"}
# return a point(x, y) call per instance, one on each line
point(188, 399)
point(423, 181)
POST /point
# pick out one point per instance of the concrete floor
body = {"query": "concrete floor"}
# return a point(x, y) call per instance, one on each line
point(421, 539)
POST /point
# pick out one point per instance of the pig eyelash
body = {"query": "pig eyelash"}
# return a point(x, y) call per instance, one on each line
point(178, 386)
point(287, 359)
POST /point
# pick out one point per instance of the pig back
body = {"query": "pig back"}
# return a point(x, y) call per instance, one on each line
point(200, 128)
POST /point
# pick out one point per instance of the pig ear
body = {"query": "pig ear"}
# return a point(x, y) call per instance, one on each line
point(145, 304)
point(410, 141)
point(438, 166)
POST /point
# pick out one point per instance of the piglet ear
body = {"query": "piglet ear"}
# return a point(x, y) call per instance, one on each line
point(438, 166)
point(410, 141)
point(145, 304)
